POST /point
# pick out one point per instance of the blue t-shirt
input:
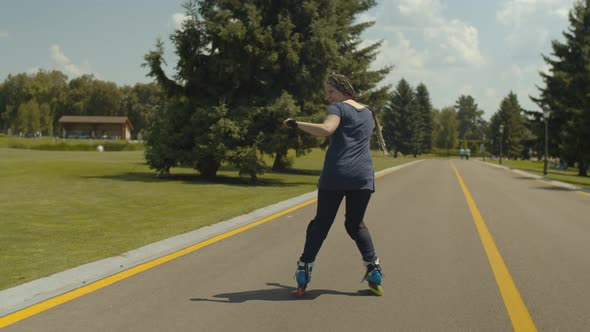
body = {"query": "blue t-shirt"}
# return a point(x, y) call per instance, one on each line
point(348, 164)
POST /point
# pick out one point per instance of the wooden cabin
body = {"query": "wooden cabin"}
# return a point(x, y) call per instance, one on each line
point(99, 127)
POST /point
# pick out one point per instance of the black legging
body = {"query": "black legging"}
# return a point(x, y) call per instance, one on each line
point(327, 207)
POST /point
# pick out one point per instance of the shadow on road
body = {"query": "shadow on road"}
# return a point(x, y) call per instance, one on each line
point(524, 178)
point(279, 293)
point(551, 188)
point(554, 188)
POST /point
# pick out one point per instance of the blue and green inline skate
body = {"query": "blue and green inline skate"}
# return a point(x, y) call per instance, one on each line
point(303, 277)
point(374, 276)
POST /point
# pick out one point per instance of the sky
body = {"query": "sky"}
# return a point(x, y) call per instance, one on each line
point(483, 48)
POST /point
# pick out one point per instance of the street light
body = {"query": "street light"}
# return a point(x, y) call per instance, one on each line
point(501, 139)
point(483, 147)
point(546, 113)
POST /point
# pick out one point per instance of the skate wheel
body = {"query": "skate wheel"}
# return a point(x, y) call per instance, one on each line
point(376, 289)
point(300, 291)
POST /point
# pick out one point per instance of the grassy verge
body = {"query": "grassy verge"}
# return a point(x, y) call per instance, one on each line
point(60, 209)
point(536, 167)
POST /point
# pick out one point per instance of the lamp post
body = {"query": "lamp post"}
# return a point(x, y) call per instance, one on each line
point(483, 147)
point(501, 139)
point(546, 113)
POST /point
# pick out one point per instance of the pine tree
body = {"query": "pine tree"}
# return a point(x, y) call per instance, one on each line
point(425, 110)
point(566, 90)
point(247, 57)
point(511, 116)
point(402, 121)
point(416, 130)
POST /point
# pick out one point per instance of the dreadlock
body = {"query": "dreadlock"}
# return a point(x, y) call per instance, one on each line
point(343, 84)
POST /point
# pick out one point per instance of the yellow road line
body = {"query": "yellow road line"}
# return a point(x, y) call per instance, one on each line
point(517, 310)
point(69, 296)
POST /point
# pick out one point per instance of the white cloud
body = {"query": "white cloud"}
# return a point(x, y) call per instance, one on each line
point(532, 24)
point(428, 46)
point(73, 69)
point(61, 59)
point(446, 40)
point(58, 56)
point(520, 13)
point(179, 19)
point(458, 39)
point(401, 55)
point(404, 50)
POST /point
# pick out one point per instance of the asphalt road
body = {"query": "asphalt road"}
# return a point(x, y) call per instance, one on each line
point(465, 246)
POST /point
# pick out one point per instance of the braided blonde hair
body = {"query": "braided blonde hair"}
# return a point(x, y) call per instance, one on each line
point(379, 132)
point(343, 84)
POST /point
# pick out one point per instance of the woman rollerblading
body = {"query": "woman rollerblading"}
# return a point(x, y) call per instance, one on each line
point(347, 173)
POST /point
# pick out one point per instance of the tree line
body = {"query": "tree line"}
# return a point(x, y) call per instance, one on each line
point(33, 103)
point(243, 67)
point(412, 126)
point(409, 118)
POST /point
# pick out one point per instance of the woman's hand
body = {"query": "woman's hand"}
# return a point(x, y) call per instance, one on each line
point(325, 129)
point(290, 123)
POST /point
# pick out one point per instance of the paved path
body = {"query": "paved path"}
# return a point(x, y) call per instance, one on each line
point(465, 246)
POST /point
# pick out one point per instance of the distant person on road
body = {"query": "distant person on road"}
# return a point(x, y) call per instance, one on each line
point(467, 153)
point(461, 152)
point(347, 172)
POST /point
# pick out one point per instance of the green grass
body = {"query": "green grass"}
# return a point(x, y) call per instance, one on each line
point(536, 167)
point(61, 209)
